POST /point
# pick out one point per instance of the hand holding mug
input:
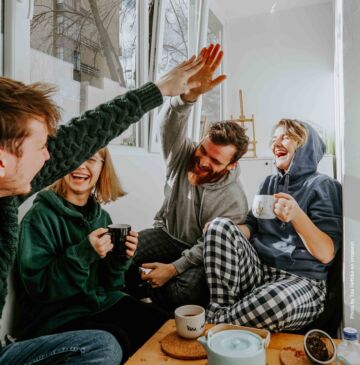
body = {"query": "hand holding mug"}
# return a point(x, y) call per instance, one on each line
point(131, 243)
point(286, 207)
point(100, 241)
point(124, 240)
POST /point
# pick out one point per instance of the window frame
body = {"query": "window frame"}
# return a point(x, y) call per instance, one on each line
point(156, 54)
point(17, 16)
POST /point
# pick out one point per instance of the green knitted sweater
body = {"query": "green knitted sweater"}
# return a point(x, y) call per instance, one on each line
point(74, 143)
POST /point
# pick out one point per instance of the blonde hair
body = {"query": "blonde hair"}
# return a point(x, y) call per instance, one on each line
point(108, 187)
point(295, 129)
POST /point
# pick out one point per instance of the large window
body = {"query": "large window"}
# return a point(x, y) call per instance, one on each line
point(88, 49)
point(94, 50)
point(176, 35)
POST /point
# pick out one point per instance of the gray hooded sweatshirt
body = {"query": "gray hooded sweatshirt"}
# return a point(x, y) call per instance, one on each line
point(187, 208)
point(318, 195)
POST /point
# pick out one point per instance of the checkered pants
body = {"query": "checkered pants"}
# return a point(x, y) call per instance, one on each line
point(189, 287)
point(245, 291)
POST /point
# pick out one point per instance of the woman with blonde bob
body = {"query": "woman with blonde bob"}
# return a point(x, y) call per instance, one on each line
point(71, 275)
point(272, 273)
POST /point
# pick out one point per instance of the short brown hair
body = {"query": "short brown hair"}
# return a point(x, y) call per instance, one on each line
point(108, 187)
point(295, 129)
point(18, 104)
point(229, 133)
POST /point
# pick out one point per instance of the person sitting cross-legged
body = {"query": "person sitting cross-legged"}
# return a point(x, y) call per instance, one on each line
point(202, 182)
point(271, 273)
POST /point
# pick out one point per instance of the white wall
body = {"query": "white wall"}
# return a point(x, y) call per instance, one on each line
point(283, 62)
point(143, 177)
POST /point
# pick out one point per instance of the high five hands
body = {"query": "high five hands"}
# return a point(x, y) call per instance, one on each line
point(193, 77)
point(212, 57)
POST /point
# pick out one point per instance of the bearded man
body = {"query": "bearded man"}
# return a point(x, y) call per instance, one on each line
point(202, 182)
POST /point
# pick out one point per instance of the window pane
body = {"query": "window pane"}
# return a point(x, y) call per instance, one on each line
point(128, 29)
point(211, 105)
point(175, 43)
point(87, 49)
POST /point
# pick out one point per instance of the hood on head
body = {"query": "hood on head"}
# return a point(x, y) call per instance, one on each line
point(307, 157)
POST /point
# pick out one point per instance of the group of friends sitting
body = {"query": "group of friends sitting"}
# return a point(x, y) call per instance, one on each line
point(77, 299)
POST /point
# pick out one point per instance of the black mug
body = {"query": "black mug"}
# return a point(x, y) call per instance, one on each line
point(118, 233)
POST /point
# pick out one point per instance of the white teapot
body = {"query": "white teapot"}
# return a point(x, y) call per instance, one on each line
point(235, 345)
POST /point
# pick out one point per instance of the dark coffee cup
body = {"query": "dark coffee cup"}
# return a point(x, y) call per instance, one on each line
point(118, 233)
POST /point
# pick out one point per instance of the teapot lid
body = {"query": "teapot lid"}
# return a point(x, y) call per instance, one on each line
point(236, 343)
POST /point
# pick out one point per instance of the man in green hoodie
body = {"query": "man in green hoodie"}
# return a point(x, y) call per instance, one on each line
point(27, 118)
point(202, 183)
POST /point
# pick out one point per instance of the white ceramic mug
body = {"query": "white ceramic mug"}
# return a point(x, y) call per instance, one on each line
point(190, 320)
point(263, 206)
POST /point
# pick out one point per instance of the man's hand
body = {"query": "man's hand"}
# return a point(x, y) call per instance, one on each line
point(286, 208)
point(213, 57)
point(160, 273)
point(100, 241)
point(177, 81)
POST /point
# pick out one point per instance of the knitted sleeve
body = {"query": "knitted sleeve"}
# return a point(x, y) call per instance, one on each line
point(82, 137)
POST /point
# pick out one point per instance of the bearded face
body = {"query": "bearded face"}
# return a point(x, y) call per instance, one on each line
point(209, 163)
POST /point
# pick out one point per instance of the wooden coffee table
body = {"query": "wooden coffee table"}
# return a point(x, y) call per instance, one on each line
point(151, 354)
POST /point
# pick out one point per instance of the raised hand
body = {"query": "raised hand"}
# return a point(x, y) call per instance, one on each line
point(213, 57)
point(177, 81)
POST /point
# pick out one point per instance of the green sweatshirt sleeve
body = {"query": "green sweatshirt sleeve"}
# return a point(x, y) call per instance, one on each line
point(82, 137)
point(114, 269)
point(49, 276)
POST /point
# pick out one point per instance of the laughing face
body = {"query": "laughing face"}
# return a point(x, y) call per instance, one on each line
point(81, 182)
point(16, 173)
point(283, 147)
point(210, 162)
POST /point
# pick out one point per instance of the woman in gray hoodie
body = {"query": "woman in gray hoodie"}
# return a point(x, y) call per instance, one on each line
point(271, 273)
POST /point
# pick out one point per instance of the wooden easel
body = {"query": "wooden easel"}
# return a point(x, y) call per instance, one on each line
point(243, 120)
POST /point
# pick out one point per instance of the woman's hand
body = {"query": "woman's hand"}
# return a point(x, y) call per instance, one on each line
point(131, 243)
point(286, 208)
point(100, 241)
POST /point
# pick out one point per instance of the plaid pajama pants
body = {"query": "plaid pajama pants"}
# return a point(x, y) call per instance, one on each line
point(245, 291)
point(189, 287)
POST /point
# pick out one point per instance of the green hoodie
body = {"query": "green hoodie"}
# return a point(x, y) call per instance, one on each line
point(62, 277)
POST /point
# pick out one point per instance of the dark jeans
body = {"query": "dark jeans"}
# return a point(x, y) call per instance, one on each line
point(79, 347)
point(131, 321)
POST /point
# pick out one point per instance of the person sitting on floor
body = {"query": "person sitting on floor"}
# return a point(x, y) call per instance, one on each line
point(70, 274)
point(271, 273)
point(202, 182)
